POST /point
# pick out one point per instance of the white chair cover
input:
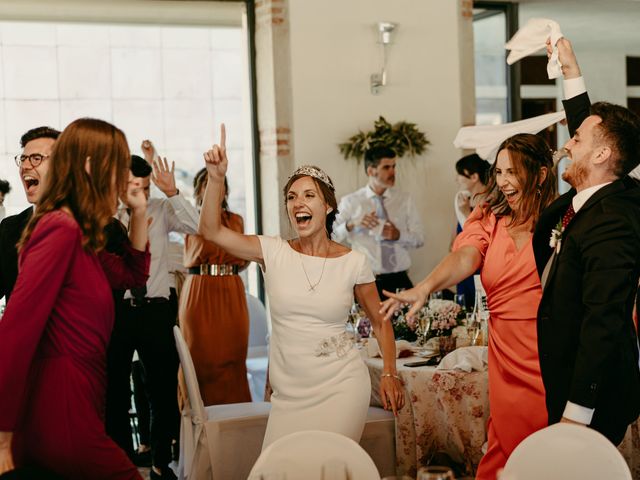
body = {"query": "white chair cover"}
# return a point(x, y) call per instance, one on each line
point(218, 442)
point(258, 328)
point(566, 452)
point(258, 351)
point(304, 456)
point(193, 414)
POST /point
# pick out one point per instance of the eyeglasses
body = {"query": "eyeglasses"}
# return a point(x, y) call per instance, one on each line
point(35, 159)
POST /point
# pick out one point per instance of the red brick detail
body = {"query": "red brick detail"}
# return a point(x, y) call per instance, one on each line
point(270, 12)
point(275, 142)
point(466, 8)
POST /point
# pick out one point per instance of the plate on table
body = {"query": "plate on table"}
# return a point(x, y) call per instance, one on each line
point(427, 353)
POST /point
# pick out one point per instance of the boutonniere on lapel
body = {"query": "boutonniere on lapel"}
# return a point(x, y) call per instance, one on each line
point(556, 237)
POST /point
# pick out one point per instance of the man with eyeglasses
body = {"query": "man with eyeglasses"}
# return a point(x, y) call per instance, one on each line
point(33, 162)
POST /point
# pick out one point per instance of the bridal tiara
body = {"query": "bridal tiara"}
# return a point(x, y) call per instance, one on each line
point(314, 172)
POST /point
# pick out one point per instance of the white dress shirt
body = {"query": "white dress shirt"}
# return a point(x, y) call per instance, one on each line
point(402, 212)
point(173, 214)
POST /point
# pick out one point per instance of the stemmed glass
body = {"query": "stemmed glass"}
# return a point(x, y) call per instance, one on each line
point(559, 155)
point(473, 328)
point(435, 473)
point(424, 325)
point(352, 323)
point(435, 295)
point(461, 300)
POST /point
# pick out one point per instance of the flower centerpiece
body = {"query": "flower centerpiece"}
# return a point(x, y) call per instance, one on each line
point(438, 318)
point(444, 316)
point(404, 329)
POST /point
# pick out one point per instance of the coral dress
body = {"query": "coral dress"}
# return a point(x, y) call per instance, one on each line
point(516, 392)
point(53, 341)
point(215, 321)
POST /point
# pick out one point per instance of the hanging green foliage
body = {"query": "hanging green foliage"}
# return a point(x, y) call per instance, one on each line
point(404, 138)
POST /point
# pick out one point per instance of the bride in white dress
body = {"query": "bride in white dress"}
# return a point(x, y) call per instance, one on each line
point(319, 381)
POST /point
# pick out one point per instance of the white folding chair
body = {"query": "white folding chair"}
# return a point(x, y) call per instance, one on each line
point(566, 452)
point(218, 442)
point(315, 455)
point(257, 354)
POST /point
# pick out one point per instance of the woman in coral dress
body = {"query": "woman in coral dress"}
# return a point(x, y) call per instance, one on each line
point(213, 312)
point(57, 324)
point(497, 239)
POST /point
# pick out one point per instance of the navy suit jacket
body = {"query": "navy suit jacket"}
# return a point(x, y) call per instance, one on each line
point(11, 229)
point(586, 338)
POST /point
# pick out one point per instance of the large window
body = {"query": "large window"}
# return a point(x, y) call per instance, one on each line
point(497, 95)
point(171, 84)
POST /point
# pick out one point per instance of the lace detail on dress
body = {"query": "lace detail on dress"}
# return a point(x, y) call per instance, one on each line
point(341, 344)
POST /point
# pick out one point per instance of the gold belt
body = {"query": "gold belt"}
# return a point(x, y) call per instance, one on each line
point(214, 270)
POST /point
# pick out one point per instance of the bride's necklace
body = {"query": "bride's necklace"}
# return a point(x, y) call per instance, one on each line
point(312, 286)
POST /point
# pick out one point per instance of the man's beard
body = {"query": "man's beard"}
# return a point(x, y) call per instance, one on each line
point(575, 174)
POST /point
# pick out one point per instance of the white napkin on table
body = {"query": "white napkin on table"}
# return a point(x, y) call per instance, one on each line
point(466, 359)
point(533, 37)
point(373, 349)
point(486, 139)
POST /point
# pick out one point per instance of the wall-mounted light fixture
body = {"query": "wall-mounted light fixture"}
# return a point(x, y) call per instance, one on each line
point(379, 80)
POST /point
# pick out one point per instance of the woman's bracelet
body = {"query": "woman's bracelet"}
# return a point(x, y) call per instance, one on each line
point(390, 375)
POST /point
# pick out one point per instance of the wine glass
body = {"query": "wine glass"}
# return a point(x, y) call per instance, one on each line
point(435, 295)
point(559, 155)
point(434, 472)
point(461, 300)
point(473, 332)
point(424, 324)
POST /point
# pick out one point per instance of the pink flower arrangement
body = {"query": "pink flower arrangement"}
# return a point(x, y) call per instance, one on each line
point(444, 316)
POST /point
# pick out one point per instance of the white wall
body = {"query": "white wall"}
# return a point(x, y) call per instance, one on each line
point(333, 53)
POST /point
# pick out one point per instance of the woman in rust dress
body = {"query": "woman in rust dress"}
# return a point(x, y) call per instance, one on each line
point(213, 312)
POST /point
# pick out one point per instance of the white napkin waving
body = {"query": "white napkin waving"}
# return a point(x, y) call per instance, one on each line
point(533, 37)
point(466, 359)
point(486, 139)
point(373, 349)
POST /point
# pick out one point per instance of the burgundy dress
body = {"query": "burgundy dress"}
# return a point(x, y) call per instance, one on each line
point(53, 340)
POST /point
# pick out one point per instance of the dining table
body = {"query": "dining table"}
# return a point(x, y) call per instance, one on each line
point(445, 415)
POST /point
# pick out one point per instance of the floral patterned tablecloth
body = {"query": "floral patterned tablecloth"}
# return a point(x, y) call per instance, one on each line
point(445, 411)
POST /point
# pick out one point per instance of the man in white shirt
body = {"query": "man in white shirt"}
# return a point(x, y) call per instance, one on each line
point(587, 341)
point(145, 320)
point(381, 222)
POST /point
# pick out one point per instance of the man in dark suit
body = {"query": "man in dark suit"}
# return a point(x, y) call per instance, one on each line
point(587, 246)
point(33, 162)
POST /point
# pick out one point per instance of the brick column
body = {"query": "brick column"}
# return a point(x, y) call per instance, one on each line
point(273, 69)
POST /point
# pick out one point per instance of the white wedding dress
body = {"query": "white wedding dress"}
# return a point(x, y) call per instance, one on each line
point(319, 380)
